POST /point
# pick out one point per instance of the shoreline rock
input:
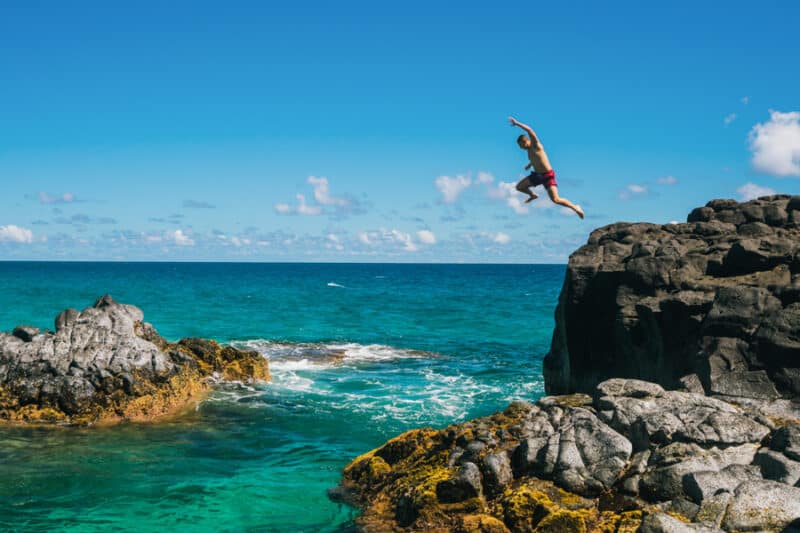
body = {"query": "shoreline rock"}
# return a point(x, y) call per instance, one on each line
point(105, 365)
point(714, 301)
point(675, 364)
point(632, 457)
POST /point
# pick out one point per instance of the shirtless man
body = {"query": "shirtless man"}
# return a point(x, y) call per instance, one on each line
point(543, 173)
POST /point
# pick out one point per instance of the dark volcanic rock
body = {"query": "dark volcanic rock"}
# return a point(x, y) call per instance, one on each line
point(718, 296)
point(710, 308)
point(106, 363)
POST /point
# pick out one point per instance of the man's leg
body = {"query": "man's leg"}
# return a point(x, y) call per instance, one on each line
point(524, 186)
point(552, 191)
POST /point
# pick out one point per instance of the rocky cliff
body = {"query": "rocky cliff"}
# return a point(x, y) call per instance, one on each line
point(676, 355)
point(714, 301)
point(106, 364)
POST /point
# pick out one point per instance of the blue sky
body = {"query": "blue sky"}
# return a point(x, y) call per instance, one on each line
point(241, 131)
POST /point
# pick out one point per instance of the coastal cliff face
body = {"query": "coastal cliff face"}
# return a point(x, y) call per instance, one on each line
point(106, 364)
point(676, 355)
point(715, 300)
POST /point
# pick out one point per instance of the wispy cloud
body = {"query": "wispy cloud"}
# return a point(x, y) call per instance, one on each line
point(198, 204)
point(751, 191)
point(775, 144)
point(667, 180)
point(12, 233)
point(633, 190)
point(729, 118)
point(171, 219)
point(337, 207)
point(56, 198)
point(82, 219)
point(322, 192)
point(452, 187)
point(304, 209)
point(745, 100)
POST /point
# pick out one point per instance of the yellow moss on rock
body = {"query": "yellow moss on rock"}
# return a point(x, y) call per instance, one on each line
point(564, 521)
point(396, 488)
point(152, 397)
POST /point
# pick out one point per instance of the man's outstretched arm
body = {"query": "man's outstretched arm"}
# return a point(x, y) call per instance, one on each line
point(528, 130)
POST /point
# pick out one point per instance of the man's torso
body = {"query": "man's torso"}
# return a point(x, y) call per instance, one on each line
point(538, 159)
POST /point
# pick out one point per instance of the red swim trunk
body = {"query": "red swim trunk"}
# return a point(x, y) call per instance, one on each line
point(548, 179)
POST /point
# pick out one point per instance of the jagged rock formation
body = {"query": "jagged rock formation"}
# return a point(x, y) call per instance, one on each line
point(634, 457)
point(714, 301)
point(710, 309)
point(106, 364)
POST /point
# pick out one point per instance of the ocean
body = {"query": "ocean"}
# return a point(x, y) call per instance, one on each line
point(358, 353)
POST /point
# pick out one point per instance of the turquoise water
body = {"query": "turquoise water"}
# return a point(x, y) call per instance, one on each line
point(358, 353)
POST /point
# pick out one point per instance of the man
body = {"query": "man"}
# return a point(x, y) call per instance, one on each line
point(543, 173)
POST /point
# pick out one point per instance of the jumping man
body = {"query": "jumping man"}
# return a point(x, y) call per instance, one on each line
point(543, 173)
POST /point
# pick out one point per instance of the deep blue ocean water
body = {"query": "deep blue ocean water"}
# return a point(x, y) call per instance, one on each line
point(358, 354)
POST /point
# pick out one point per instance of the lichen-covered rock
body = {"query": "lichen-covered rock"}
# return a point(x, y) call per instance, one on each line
point(106, 364)
point(718, 296)
point(763, 506)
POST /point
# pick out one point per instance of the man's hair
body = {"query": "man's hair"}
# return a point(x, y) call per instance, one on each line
point(521, 137)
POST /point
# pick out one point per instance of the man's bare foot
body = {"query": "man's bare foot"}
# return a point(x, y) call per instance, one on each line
point(579, 211)
point(533, 196)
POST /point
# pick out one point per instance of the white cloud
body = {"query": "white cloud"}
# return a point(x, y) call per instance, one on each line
point(501, 238)
point(667, 180)
point(366, 237)
point(632, 191)
point(58, 198)
point(485, 177)
point(334, 242)
point(322, 193)
point(745, 100)
point(12, 233)
point(730, 118)
point(305, 209)
point(180, 238)
point(510, 195)
point(451, 188)
point(776, 144)
point(751, 191)
point(389, 238)
point(404, 239)
point(282, 208)
point(426, 236)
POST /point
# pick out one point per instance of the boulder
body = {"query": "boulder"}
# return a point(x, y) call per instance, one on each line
point(718, 296)
point(106, 363)
point(763, 506)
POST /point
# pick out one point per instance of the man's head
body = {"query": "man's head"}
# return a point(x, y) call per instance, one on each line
point(524, 142)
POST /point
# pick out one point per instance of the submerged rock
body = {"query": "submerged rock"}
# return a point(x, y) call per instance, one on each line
point(105, 363)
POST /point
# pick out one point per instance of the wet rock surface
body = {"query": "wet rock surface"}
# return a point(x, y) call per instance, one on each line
point(676, 355)
point(106, 364)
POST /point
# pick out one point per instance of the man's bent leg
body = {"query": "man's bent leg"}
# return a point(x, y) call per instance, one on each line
point(524, 186)
point(552, 191)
